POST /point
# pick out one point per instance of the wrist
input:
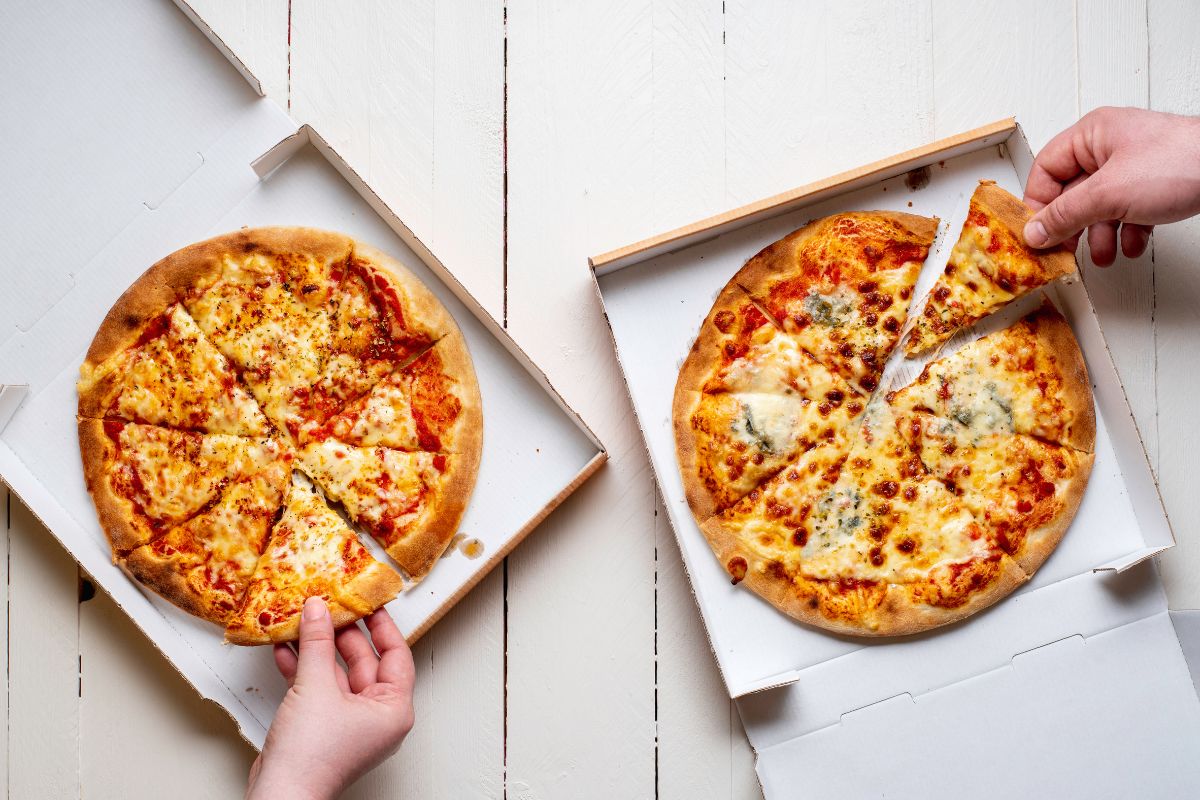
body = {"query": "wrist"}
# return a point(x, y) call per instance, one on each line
point(280, 781)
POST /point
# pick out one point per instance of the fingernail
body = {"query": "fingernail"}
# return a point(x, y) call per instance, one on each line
point(314, 608)
point(1035, 233)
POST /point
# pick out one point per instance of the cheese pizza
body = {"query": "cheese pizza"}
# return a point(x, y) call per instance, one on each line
point(244, 384)
point(880, 513)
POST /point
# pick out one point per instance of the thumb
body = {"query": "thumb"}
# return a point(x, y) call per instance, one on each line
point(1090, 201)
point(317, 663)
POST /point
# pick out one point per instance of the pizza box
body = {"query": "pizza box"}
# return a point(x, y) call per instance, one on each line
point(1080, 672)
point(147, 139)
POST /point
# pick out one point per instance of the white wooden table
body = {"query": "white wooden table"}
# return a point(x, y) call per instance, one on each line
point(518, 138)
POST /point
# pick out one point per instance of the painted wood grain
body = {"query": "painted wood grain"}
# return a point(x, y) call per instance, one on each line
point(701, 751)
point(141, 726)
point(1113, 70)
point(43, 661)
point(581, 588)
point(1175, 86)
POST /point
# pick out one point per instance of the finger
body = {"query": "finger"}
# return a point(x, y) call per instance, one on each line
point(1091, 201)
point(285, 662)
point(317, 665)
point(1134, 239)
point(395, 659)
point(1055, 165)
point(1102, 242)
point(361, 660)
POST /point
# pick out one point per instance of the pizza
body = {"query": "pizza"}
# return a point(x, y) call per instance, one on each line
point(989, 267)
point(884, 513)
point(245, 390)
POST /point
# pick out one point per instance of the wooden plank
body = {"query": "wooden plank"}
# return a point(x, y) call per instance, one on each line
point(7, 500)
point(802, 100)
point(43, 661)
point(1113, 70)
point(701, 749)
point(581, 589)
point(258, 33)
point(141, 726)
point(1001, 59)
point(1174, 65)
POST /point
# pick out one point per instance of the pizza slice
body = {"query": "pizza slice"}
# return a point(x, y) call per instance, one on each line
point(1024, 491)
point(874, 545)
point(762, 401)
point(311, 552)
point(432, 404)
point(204, 565)
point(1029, 378)
point(411, 502)
point(842, 285)
point(146, 480)
point(278, 341)
point(989, 267)
point(163, 370)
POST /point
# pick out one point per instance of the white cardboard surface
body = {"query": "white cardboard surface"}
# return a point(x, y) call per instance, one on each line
point(174, 167)
point(807, 697)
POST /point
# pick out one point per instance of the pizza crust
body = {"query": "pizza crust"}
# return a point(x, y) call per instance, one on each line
point(1041, 542)
point(115, 512)
point(780, 257)
point(417, 552)
point(1055, 337)
point(287, 630)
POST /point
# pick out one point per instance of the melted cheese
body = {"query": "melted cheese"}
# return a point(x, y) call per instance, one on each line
point(386, 490)
point(178, 379)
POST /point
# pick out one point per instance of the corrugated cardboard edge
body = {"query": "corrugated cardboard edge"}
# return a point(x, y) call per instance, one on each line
point(711, 227)
point(997, 133)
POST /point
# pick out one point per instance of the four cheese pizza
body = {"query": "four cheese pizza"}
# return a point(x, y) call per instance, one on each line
point(866, 512)
point(243, 384)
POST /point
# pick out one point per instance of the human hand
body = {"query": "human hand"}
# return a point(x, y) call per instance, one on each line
point(334, 724)
point(1116, 166)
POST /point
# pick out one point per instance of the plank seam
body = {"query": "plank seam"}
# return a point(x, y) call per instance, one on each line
point(504, 323)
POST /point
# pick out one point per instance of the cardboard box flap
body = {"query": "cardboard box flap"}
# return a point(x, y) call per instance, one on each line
point(104, 133)
point(1114, 696)
point(1187, 628)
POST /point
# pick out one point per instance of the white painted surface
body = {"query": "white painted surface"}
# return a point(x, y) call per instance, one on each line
point(622, 122)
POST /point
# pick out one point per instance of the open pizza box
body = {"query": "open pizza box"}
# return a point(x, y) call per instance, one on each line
point(1082, 678)
point(131, 135)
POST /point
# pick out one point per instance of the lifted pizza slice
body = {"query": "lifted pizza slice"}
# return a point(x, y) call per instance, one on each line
point(842, 285)
point(989, 267)
point(204, 565)
point(750, 400)
point(163, 370)
point(1029, 378)
point(146, 480)
point(411, 502)
point(311, 552)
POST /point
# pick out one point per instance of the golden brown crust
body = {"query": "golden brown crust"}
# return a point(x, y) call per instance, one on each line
point(901, 615)
point(375, 586)
point(1040, 543)
point(286, 630)
point(701, 363)
point(1056, 339)
point(778, 259)
point(417, 552)
point(1010, 212)
point(115, 512)
point(162, 575)
point(456, 363)
point(423, 304)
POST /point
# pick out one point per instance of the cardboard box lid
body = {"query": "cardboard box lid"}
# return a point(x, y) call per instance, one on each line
point(217, 157)
point(798, 686)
